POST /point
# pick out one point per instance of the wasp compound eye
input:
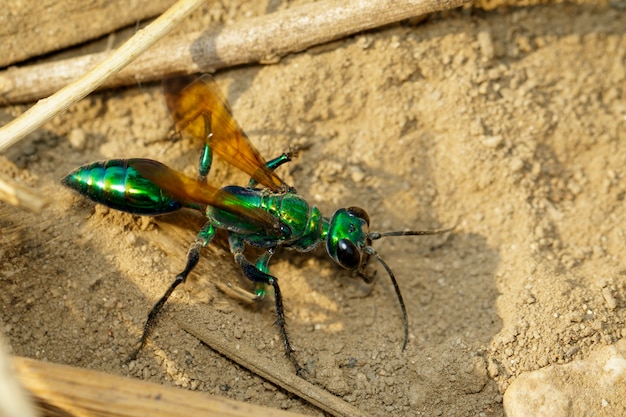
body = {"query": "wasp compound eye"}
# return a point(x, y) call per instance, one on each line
point(360, 213)
point(348, 254)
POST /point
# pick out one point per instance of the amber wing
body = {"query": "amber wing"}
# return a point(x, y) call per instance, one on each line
point(200, 110)
point(190, 190)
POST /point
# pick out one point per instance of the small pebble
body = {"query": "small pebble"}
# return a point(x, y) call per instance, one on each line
point(486, 45)
point(517, 164)
point(77, 139)
point(28, 149)
point(356, 174)
point(611, 302)
point(493, 141)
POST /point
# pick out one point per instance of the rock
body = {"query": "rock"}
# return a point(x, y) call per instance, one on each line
point(595, 386)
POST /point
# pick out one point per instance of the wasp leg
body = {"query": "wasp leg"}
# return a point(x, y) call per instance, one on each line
point(275, 163)
point(259, 288)
point(367, 277)
point(262, 264)
point(206, 157)
point(193, 256)
point(256, 275)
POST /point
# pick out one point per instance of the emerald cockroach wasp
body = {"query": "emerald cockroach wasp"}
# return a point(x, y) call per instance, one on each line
point(267, 213)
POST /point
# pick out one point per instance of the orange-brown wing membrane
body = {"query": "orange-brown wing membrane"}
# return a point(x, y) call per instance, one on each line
point(200, 110)
point(190, 190)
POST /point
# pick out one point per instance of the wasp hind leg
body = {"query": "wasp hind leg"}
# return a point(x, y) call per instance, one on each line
point(193, 256)
point(206, 157)
point(256, 275)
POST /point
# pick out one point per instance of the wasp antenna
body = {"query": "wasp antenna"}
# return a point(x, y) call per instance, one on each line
point(377, 235)
point(369, 250)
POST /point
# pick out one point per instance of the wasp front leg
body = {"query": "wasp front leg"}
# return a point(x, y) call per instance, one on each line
point(256, 275)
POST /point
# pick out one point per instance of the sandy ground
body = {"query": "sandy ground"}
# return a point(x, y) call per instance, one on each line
point(510, 123)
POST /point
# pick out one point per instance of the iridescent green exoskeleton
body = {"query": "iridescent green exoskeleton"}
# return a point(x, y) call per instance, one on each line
point(267, 213)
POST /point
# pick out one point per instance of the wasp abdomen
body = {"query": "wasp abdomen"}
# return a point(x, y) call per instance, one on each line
point(116, 184)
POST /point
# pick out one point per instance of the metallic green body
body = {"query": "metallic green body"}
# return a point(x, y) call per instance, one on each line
point(118, 185)
point(304, 226)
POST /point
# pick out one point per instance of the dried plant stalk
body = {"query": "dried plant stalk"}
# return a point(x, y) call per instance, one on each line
point(62, 24)
point(46, 109)
point(62, 390)
point(19, 195)
point(283, 376)
point(263, 39)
